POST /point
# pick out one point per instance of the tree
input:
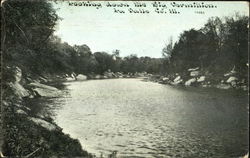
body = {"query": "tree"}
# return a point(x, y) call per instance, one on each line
point(167, 50)
point(28, 27)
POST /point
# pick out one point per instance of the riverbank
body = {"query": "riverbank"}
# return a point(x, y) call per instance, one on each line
point(27, 134)
point(194, 77)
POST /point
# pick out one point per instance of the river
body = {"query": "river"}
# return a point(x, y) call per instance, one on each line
point(146, 119)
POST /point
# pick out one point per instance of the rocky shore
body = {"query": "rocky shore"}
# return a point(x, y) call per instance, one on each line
point(196, 78)
point(28, 134)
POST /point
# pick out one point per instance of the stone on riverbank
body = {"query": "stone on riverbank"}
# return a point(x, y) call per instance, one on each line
point(81, 77)
point(190, 82)
point(42, 123)
point(177, 80)
point(44, 90)
point(109, 75)
point(194, 73)
point(98, 77)
point(19, 90)
point(165, 79)
point(193, 69)
point(70, 79)
point(201, 79)
point(232, 79)
point(21, 112)
point(223, 86)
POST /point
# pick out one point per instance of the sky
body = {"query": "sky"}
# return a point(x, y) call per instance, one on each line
point(142, 34)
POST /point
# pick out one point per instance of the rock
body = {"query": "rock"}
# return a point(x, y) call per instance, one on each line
point(194, 73)
point(205, 85)
point(39, 85)
point(98, 77)
point(193, 69)
point(119, 74)
point(19, 90)
point(73, 75)
point(233, 84)
point(201, 79)
point(44, 124)
point(165, 79)
point(19, 111)
point(190, 82)
point(109, 74)
point(177, 80)
point(223, 86)
point(18, 74)
point(70, 79)
point(231, 79)
point(81, 77)
point(44, 90)
point(102, 77)
point(44, 80)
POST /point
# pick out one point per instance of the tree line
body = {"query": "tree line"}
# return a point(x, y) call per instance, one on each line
point(29, 43)
point(220, 46)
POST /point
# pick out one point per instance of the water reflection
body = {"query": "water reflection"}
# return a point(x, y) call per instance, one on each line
point(151, 120)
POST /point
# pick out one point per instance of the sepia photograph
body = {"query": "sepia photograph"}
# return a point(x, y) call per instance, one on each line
point(124, 79)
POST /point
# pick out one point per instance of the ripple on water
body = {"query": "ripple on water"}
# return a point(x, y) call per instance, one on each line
point(144, 119)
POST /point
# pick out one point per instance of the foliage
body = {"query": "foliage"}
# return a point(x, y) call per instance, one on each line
point(219, 46)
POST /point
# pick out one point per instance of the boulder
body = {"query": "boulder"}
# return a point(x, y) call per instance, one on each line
point(19, 90)
point(201, 79)
point(98, 77)
point(193, 69)
point(109, 74)
point(102, 77)
point(81, 77)
point(194, 73)
point(44, 90)
point(232, 79)
point(39, 85)
point(190, 82)
point(21, 112)
point(42, 79)
point(223, 86)
point(205, 85)
point(18, 74)
point(42, 123)
point(70, 79)
point(73, 75)
point(165, 79)
point(177, 80)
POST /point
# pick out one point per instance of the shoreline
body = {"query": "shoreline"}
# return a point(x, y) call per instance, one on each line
point(38, 135)
point(27, 133)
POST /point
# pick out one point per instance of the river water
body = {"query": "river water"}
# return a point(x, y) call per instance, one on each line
point(145, 119)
